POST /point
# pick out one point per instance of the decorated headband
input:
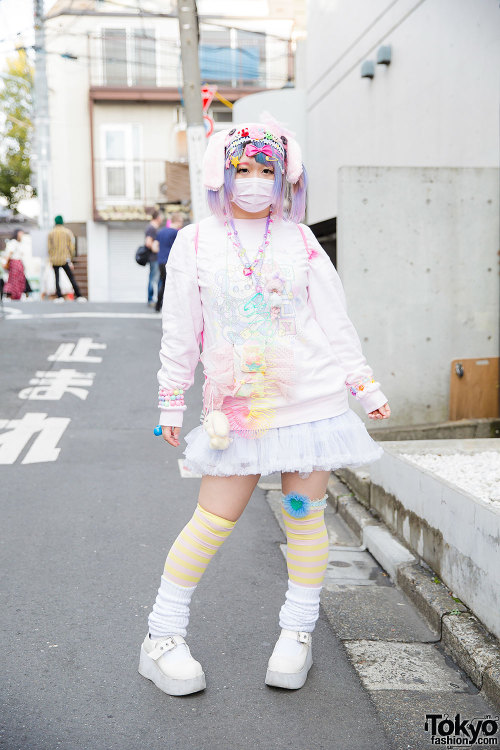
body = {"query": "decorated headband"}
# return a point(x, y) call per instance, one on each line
point(226, 147)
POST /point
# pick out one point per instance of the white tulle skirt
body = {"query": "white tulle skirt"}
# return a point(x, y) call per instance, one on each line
point(325, 444)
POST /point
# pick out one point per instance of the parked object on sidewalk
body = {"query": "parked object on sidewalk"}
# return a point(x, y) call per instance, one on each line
point(257, 291)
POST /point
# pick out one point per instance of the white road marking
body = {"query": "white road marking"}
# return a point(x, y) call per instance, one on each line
point(11, 310)
point(20, 431)
point(387, 665)
point(143, 316)
point(52, 385)
point(79, 352)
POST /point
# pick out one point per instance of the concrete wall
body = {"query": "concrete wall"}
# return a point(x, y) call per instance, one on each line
point(435, 105)
point(418, 257)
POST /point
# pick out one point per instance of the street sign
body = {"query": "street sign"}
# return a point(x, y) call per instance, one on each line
point(209, 125)
point(207, 94)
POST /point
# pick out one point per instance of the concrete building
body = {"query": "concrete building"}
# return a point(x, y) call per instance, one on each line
point(117, 124)
point(402, 126)
point(397, 105)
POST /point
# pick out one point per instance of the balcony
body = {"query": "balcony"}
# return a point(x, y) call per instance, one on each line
point(125, 190)
point(134, 64)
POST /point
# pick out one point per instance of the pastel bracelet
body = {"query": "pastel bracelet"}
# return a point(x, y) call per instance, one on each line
point(358, 388)
point(172, 398)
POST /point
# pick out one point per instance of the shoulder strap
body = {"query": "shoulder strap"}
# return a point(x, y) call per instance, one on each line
point(196, 235)
point(311, 252)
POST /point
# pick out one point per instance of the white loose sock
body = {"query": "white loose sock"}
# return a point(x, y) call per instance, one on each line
point(300, 612)
point(170, 615)
point(301, 609)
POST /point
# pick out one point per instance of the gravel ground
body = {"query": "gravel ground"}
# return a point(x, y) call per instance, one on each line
point(477, 473)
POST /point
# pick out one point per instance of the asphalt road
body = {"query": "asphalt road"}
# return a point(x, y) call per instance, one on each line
point(84, 541)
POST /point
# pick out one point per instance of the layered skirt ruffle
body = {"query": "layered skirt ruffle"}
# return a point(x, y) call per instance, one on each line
point(322, 445)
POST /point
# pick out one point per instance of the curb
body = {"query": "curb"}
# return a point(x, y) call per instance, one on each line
point(461, 634)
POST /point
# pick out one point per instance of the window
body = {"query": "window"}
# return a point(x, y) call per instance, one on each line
point(114, 57)
point(129, 57)
point(122, 176)
point(232, 57)
point(144, 68)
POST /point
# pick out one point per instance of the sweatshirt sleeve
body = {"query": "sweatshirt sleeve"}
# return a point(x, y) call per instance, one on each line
point(326, 299)
point(182, 322)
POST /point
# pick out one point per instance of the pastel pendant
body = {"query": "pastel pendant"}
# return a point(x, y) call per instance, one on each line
point(247, 271)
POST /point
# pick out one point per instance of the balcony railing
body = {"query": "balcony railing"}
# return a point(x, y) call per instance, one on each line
point(124, 189)
point(230, 58)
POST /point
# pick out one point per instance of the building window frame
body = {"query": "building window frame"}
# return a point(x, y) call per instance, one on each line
point(131, 64)
point(131, 162)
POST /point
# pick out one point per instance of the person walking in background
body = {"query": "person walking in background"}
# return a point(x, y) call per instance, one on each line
point(13, 259)
point(61, 246)
point(165, 238)
point(149, 242)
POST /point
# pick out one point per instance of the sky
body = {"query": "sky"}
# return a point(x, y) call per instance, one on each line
point(16, 17)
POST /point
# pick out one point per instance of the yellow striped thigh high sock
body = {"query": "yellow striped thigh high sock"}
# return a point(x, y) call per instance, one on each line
point(307, 558)
point(186, 562)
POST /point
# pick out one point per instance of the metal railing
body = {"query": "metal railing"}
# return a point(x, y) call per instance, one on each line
point(230, 58)
point(124, 188)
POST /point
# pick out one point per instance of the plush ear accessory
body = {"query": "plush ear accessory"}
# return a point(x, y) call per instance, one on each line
point(213, 161)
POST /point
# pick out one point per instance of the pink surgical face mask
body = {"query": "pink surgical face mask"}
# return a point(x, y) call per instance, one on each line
point(253, 194)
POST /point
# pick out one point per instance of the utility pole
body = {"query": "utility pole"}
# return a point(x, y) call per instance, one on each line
point(195, 129)
point(41, 119)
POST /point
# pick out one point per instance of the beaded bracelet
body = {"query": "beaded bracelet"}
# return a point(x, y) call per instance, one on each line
point(170, 398)
point(358, 388)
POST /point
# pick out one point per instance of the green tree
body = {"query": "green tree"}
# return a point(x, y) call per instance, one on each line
point(16, 128)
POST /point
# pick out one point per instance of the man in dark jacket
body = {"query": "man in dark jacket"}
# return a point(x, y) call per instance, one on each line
point(165, 238)
point(149, 242)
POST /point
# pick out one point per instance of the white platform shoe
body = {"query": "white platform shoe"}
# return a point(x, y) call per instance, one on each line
point(168, 663)
point(289, 670)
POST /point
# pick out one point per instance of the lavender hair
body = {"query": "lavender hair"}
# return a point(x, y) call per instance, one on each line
point(288, 201)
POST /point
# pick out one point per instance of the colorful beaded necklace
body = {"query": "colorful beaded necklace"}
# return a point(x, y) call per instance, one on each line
point(254, 268)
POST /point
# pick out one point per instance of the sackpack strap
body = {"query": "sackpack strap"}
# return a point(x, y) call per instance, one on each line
point(311, 253)
point(196, 236)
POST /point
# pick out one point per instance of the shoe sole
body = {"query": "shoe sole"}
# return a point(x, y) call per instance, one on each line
point(293, 680)
point(151, 671)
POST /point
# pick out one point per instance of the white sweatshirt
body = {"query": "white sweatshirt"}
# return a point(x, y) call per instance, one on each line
point(268, 361)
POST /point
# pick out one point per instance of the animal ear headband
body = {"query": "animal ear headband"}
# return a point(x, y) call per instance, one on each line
point(265, 138)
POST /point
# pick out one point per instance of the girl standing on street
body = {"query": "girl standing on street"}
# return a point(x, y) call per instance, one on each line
point(256, 290)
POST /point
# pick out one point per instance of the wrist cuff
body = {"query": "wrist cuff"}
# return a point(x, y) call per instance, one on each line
point(171, 417)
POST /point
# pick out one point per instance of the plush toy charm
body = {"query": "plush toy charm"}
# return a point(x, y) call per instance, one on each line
point(216, 424)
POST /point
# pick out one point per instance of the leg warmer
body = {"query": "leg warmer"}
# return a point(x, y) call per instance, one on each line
point(307, 558)
point(307, 539)
point(195, 546)
point(186, 562)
